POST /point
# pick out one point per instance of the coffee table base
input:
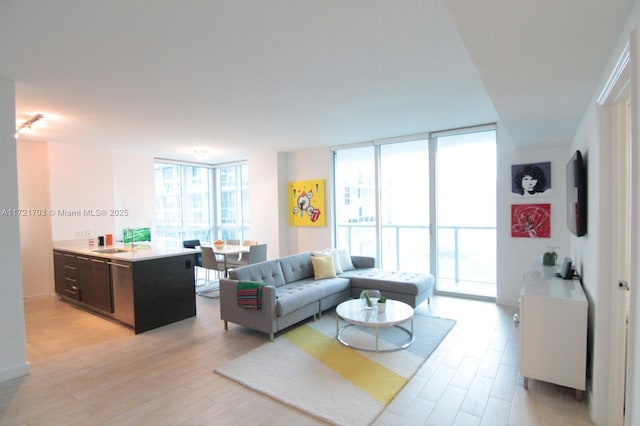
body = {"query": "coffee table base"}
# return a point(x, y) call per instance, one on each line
point(340, 338)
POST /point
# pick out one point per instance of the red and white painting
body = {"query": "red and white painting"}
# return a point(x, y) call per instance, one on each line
point(531, 220)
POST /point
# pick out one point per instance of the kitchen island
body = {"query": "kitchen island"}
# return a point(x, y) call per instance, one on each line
point(144, 287)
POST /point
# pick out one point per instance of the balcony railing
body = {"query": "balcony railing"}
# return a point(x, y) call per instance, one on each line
point(465, 253)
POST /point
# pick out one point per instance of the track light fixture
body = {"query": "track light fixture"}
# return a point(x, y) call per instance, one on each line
point(27, 124)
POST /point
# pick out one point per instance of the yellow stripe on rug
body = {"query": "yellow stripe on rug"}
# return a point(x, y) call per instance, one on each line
point(375, 379)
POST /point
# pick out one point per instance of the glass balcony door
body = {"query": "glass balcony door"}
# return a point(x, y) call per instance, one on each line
point(423, 205)
point(465, 188)
point(404, 206)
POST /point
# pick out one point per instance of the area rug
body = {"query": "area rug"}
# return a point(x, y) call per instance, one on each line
point(308, 369)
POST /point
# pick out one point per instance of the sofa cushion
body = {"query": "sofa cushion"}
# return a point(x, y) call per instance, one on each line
point(323, 267)
point(268, 272)
point(293, 296)
point(334, 254)
point(296, 267)
point(345, 260)
point(393, 281)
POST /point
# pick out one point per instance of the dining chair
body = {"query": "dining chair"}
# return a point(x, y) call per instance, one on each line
point(212, 263)
point(192, 244)
point(257, 253)
point(239, 260)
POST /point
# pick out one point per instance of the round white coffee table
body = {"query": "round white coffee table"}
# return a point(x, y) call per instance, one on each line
point(354, 314)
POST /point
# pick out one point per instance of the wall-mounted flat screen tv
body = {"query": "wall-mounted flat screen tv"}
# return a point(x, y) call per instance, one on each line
point(577, 195)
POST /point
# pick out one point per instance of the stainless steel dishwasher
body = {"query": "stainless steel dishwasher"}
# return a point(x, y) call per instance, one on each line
point(122, 282)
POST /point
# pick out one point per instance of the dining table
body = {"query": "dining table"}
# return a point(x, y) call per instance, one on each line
point(230, 250)
point(222, 255)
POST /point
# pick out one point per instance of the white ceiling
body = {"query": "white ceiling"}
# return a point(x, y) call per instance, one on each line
point(166, 77)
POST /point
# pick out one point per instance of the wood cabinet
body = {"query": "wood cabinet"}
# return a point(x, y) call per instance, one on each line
point(59, 271)
point(84, 279)
point(553, 331)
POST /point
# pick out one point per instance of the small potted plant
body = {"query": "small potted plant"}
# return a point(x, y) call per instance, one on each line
point(369, 298)
point(382, 304)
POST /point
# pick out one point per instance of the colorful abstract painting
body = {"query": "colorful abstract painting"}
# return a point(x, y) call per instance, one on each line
point(531, 220)
point(307, 203)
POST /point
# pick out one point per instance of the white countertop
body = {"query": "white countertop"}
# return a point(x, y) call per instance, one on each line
point(543, 284)
point(141, 251)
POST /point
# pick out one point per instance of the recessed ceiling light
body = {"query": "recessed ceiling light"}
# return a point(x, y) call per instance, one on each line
point(200, 154)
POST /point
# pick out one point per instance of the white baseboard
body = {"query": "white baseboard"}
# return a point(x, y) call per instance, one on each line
point(14, 372)
point(507, 302)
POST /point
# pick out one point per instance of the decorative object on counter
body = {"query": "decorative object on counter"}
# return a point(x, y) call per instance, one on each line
point(108, 239)
point(136, 235)
point(101, 240)
point(369, 298)
point(550, 258)
point(219, 244)
point(382, 304)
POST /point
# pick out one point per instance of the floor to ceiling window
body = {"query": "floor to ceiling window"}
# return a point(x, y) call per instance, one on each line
point(390, 195)
point(355, 197)
point(404, 206)
point(465, 185)
point(195, 201)
point(232, 219)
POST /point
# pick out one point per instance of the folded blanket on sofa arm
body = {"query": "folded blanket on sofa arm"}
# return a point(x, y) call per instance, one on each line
point(249, 294)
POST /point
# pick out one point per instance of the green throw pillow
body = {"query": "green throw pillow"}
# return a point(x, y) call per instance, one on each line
point(323, 267)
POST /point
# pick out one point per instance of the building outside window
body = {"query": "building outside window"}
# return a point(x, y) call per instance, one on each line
point(200, 202)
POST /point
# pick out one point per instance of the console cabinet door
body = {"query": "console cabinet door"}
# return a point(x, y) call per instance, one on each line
point(553, 332)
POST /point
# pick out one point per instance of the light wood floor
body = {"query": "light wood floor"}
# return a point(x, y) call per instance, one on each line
point(86, 370)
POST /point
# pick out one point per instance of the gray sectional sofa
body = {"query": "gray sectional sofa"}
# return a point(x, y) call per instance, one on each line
point(292, 294)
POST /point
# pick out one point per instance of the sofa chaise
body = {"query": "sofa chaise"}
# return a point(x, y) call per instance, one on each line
point(292, 293)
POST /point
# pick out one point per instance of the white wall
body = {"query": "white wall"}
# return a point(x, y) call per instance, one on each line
point(591, 252)
point(13, 354)
point(310, 165)
point(35, 230)
point(81, 180)
point(265, 206)
point(134, 193)
point(519, 255)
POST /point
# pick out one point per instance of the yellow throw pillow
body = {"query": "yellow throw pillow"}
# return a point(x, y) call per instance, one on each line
point(323, 267)
point(333, 253)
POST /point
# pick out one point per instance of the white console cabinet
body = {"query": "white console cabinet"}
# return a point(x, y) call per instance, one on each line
point(553, 330)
